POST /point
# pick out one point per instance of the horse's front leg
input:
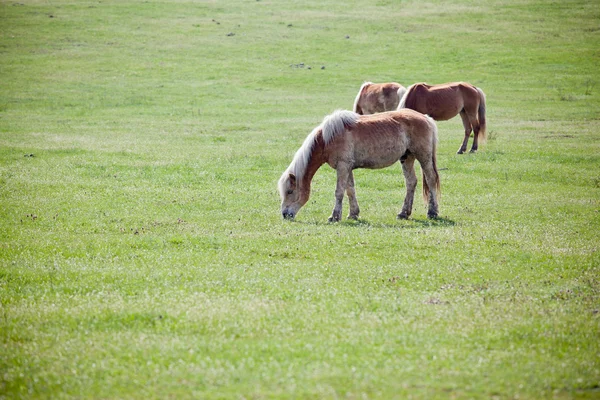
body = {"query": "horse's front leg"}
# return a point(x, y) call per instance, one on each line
point(351, 192)
point(408, 168)
point(343, 172)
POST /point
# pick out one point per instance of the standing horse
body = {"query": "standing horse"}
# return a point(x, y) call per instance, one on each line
point(378, 97)
point(442, 102)
point(346, 140)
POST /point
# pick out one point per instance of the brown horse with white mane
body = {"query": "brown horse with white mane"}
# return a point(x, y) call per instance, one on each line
point(443, 102)
point(346, 141)
point(378, 97)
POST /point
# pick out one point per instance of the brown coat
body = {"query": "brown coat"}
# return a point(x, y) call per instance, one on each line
point(446, 101)
point(378, 97)
point(346, 141)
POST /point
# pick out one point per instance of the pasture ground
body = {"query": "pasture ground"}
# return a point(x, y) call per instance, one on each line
point(142, 251)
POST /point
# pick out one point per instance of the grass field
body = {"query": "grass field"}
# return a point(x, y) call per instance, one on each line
point(142, 250)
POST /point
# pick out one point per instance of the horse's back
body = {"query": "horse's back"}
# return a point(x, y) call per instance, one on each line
point(389, 91)
point(409, 117)
point(390, 95)
point(416, 124)
point(456, 90)
point(441, 102)
point(378, 97)
point(415, 97)
point(471, 96)
point(379, 140)
point(403, 122)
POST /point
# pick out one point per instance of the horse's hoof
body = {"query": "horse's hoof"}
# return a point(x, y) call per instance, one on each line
point(402, 216)
point(473, 151)
point(460, 151)
point(333, 219)
point(354, 217)
point(432, 215)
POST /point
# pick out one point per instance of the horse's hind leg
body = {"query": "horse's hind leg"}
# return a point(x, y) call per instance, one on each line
point(408, 168)
point(351, 192)
point(343, 172)
point(475, 123)
point(431, 178)
point(467, 125)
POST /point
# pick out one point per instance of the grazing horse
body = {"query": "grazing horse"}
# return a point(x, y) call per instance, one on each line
point(378, 97)
point(346, 140)
point(442, 102)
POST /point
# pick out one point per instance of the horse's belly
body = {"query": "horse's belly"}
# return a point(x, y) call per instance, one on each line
point(370, 164)
point(381, 158)
point(442, 114)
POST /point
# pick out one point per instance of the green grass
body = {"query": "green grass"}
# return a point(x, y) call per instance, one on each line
point(142, 251)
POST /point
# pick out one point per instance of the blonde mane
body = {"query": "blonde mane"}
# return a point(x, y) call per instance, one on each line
point(360, 92)
point(333, 125)
point(337, 122)
point(402, 103)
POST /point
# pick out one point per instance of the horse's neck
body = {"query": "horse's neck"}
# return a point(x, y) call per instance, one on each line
point(317, 159)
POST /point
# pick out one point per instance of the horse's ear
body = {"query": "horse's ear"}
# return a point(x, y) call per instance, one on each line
point(292, 181)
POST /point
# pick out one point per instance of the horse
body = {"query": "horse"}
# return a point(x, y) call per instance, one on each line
point(346, 140)
point(378, 97)
point(443, 102)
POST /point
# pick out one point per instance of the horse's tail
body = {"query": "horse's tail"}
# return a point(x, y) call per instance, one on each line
point(481, 116)
point(337, 122)
point(434, 141)
point(357, 109)
point(405, 94)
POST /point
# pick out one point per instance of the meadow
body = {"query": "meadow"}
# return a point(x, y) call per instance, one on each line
point(142, 249)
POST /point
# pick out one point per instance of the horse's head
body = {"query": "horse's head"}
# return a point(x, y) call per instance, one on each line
point(292, 198)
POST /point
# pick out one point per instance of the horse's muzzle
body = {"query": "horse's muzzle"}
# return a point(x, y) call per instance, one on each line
point(288, 215)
